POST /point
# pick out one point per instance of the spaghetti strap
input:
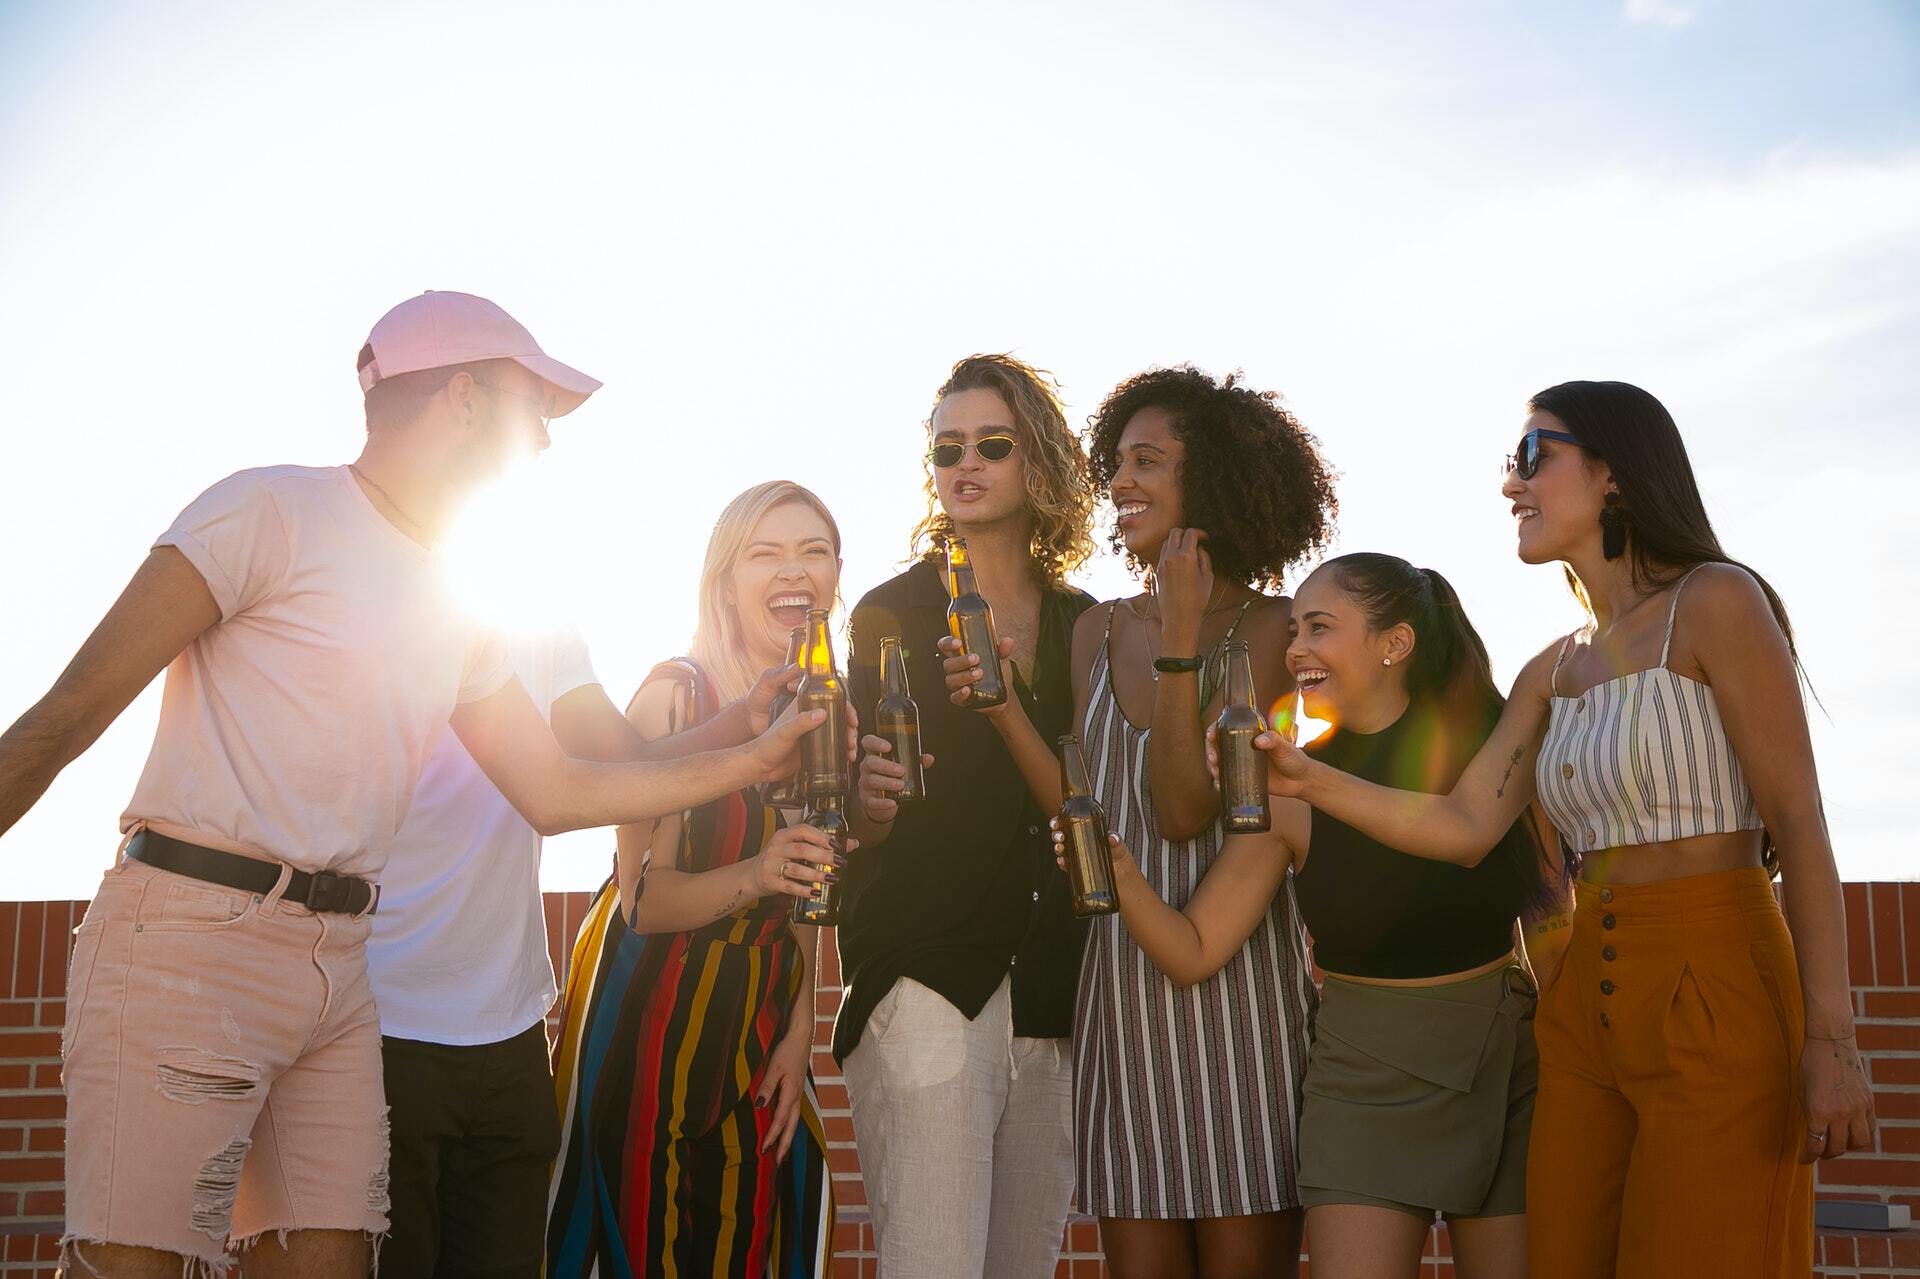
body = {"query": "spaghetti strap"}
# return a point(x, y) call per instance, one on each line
point(1239, 617)
point(1673, 611)
point(1553, 679)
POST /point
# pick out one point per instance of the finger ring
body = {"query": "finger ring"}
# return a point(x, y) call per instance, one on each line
point(1820, 1135)
point(786, 870)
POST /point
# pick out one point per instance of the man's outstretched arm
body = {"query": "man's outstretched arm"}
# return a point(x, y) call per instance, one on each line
point(555, 792)
point(164, 608)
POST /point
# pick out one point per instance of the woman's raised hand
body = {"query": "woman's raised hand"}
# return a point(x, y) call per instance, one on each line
point(1183, 586)
point(795, 859)
point(1288, 767)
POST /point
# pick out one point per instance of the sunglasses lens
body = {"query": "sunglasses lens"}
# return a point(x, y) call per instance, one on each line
point(945, 455)
point(995, 448)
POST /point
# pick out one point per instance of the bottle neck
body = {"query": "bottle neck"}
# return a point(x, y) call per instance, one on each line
point(819, 648)
point(893, 670)
point(1073, 772)
point(1239, 677)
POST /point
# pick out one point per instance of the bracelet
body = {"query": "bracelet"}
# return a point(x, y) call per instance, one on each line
point(1832, 1039)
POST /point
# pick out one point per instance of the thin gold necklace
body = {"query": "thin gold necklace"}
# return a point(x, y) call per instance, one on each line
point(379, 488)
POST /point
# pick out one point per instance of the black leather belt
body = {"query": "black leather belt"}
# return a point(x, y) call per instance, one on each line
point(322, 891)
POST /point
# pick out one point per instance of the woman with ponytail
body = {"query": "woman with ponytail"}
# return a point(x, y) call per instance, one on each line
point(1696, 1045)
point(1421, 1079)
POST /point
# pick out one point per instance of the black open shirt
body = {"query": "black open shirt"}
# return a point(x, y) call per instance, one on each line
point(965, 890)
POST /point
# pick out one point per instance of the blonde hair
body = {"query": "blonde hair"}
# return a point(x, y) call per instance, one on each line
point(1052, 462)
point(718, 644)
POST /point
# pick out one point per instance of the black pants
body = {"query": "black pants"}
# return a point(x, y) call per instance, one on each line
point(474, 1132)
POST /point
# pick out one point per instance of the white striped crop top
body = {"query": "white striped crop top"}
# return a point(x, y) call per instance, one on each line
point(1641, 759)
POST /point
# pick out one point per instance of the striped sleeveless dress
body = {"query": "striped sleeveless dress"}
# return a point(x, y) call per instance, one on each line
point(663, 1042)
point(1185, 1101)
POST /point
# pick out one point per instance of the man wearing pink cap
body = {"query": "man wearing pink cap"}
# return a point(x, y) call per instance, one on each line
point(222, 1050)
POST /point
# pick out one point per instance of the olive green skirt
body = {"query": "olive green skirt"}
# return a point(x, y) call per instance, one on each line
point(1420, 1097)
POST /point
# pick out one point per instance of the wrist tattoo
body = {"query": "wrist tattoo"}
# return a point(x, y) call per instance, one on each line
point(731, 906)
point(1518, 751)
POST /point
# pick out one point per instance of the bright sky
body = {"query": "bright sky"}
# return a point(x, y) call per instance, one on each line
point(771, 228)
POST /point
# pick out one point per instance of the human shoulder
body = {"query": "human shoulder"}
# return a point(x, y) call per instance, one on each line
point(659, 707)
point(1535, 679)
point(1724, 596)
point(1267, 618)
point(288, 486)
point(1720, 605)
point(882, 610)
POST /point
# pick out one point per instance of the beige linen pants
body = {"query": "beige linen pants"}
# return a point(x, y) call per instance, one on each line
point(965, 1136)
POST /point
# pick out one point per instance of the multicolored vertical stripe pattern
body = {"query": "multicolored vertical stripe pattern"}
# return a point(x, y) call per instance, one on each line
point(663, 1043)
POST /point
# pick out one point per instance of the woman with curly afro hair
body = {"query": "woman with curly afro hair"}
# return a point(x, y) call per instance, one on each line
point(1186, 1092)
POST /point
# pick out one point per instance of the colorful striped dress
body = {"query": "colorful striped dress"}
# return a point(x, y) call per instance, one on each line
point(663, 1042)
point(1185, 1101)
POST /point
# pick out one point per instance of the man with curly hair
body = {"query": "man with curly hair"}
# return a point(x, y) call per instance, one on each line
point(1186, 1095)
point(958, 944)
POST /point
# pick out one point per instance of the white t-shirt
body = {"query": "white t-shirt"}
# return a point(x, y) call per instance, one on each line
point(297, 726)
point(459, 947)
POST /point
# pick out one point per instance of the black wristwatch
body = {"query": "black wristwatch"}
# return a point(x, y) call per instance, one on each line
point(1178, 665)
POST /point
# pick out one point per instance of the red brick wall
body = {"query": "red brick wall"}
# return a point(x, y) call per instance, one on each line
point(1883, 925)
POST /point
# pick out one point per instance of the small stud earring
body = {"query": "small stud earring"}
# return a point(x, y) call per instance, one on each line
point(1386, 661)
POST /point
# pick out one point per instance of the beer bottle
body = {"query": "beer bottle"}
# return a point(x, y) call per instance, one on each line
point(785, 793)
point(898, 720)
point(1243, 770)
point(821, 907)
point(823, 751)
point(1089, 858)
point(970, 618)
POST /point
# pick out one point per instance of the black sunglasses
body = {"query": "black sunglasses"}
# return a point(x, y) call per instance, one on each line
point(1526, 460)
point(991, 448)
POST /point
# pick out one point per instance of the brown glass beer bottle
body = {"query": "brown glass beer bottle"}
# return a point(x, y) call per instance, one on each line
point(785, 793)
point(823, 751)
point(1088, 857)
point(821, 907)
point(970, 619)
point(1243, 769)
point(897, 719)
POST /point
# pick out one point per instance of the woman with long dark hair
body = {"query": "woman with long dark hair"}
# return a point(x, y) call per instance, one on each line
point(1185, 1098)
point(1696, 1047)
point(1420, 1082)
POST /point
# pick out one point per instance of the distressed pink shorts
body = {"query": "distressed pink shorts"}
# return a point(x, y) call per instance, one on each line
point(222, 1070)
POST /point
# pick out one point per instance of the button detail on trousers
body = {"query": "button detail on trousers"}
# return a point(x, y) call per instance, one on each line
point(1607, 952)
point(1606, 894)
point(1606, 921)
point(1606, 986)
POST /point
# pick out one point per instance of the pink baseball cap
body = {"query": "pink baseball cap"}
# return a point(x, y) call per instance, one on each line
point(441, 328)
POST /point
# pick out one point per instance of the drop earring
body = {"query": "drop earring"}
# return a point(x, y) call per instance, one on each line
point(1613, 528)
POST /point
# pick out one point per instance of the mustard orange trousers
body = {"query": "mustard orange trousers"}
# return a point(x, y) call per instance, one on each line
point(1668, 1122)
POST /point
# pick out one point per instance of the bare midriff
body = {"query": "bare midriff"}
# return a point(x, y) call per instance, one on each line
point(1445, 979)
point(1673, 858)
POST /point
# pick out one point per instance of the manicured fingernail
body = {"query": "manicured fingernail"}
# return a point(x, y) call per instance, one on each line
point(760, 1103)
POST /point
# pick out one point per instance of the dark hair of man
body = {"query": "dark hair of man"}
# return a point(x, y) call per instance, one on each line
point(398, 401)
point(1449, 678)
point(1253, 479)
point(1667, 529)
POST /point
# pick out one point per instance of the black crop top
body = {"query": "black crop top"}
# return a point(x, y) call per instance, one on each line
point(1374, 912)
